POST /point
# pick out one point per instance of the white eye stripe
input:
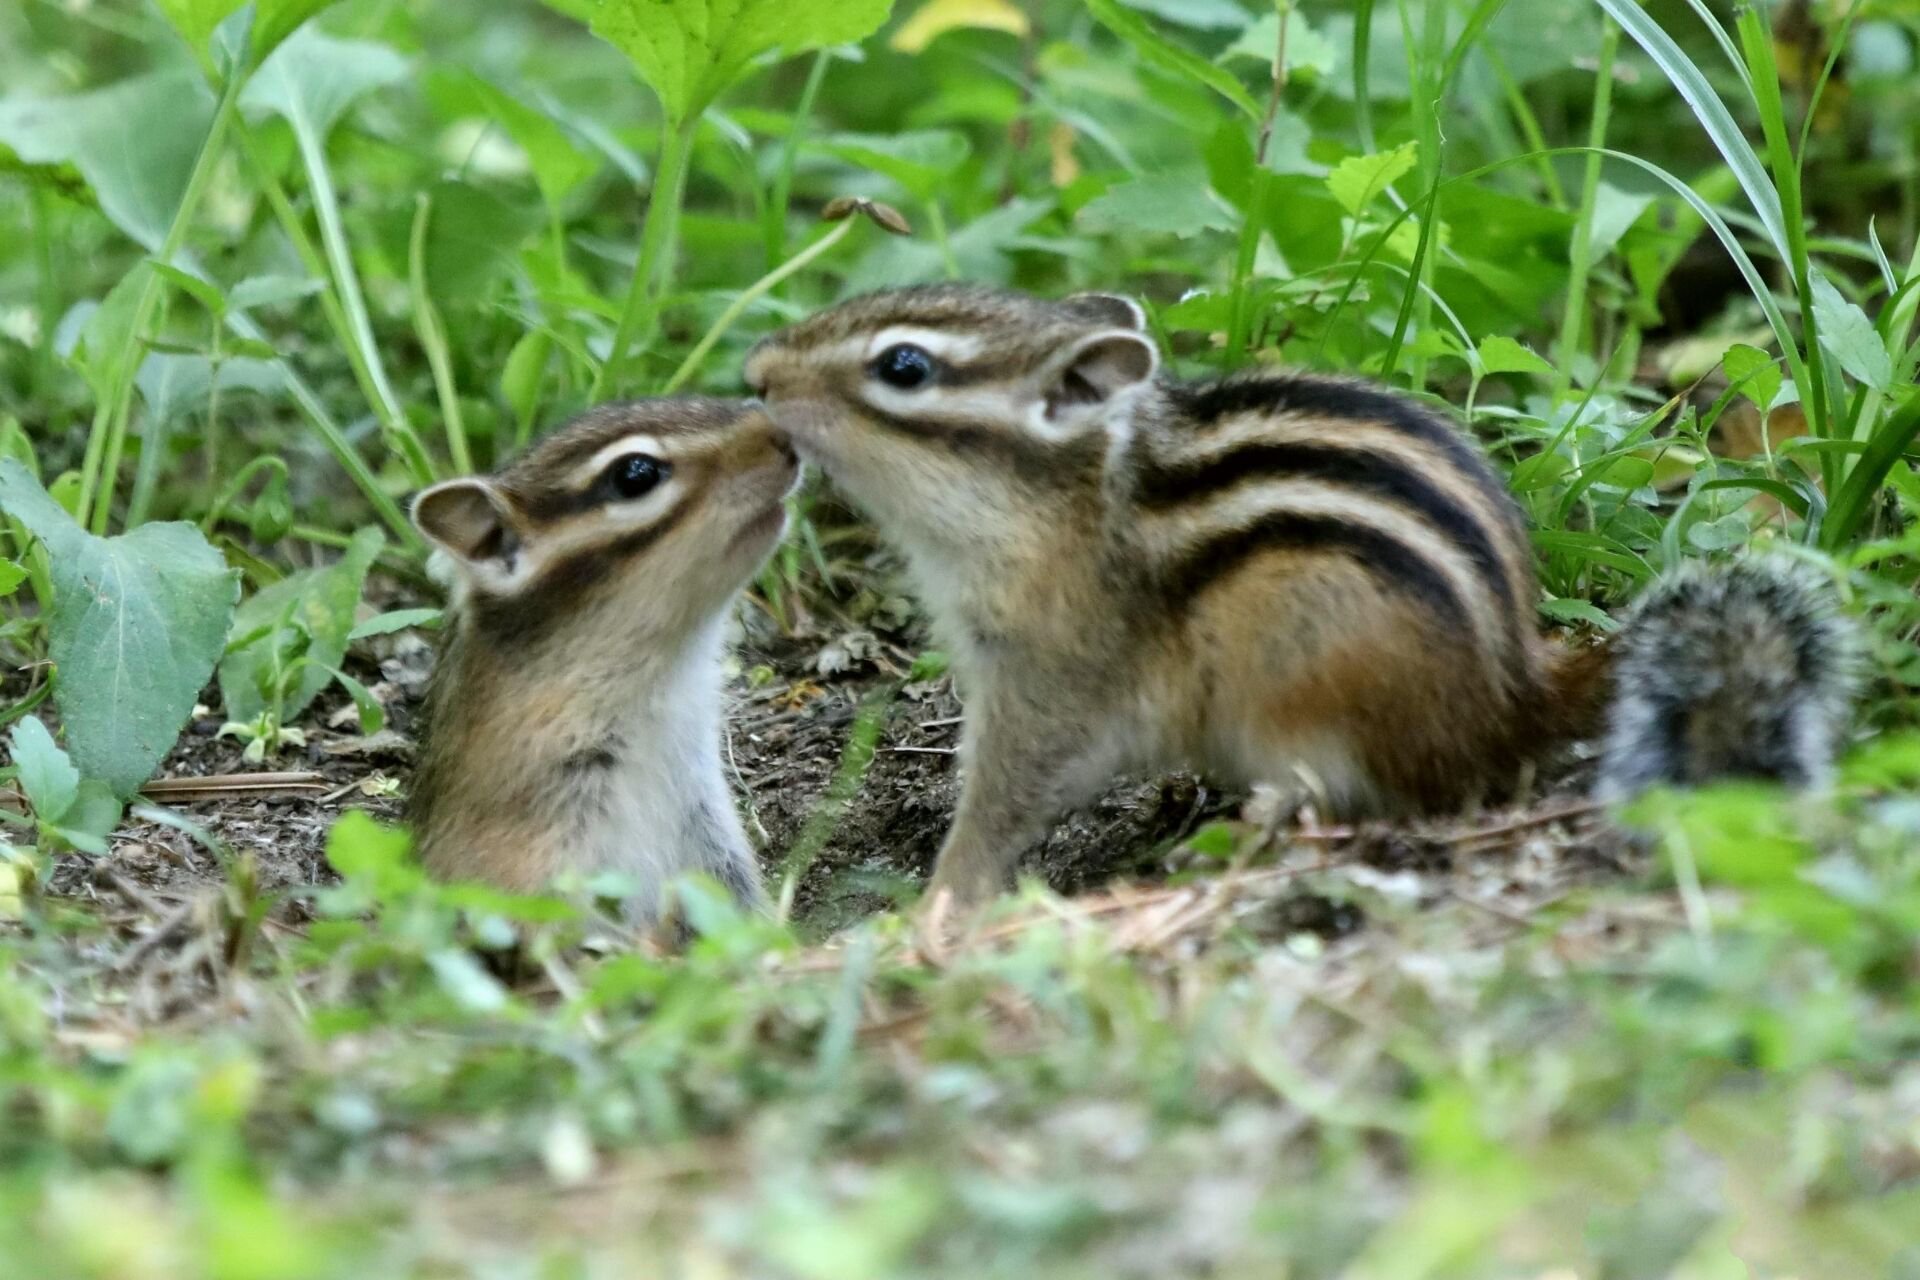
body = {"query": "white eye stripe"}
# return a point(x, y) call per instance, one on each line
point(936, 343)
point(589, 471)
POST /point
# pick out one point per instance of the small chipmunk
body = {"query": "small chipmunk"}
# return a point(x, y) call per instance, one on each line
point(1298, 580)
point(573, 721)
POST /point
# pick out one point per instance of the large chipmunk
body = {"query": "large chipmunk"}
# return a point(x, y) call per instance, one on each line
point(1277, 578)
point(573, 721)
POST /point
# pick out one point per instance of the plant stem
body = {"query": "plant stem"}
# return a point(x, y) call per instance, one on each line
point(433, 336)
point(359, 329)
point(641, 311)
point(937, 223)
point(107, 439)
point(1253, 223)
point(1580, 252)
point(752, 292)
point(779, 198)
point(315, 263)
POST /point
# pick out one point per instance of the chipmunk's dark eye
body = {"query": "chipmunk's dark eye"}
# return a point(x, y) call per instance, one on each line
point(634, 475)
point(903, 366)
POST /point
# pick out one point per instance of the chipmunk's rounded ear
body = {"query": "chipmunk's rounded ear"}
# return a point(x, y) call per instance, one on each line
point(1109, 308)
point(1099, 367)
point(470, 520)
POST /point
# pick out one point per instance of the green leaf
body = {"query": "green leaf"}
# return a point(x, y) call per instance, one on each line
point(1203, 15)
point(385, 624)
point(319, 604)
point(470, 986)
point(267, 291)
point(558, 164)
point(313, 78)
point(1358, 181)
point(1572, 609)
point(361, 849)
point(372, 715)
point(205, 292)
point(1307, 49)
point(137, 624)
point(1754, 372)
point(689, 51)
point(1501, 354)
point(1169, 203)
point(1850, 337)
point(471, 240)
point(525, 369)
point(919, 159)
point(91, 818)
point(11, 576)
point(275, 20)
point(46, 774)
point(195, 20)
point(1158, 51)
point(138, 186)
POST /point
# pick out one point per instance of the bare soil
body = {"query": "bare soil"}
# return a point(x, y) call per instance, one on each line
point(798, 699)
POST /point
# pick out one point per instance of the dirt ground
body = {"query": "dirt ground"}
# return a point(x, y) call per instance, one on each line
point(798, 697)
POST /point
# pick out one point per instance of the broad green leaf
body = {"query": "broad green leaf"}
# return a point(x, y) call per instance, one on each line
point(1846, 332)
point(1358, 181)
point(559, 165)
point(172, 385)
point(689, 51)
point(267, 291)
point(1170, 203)
point(935, 18)
point(1501, 354)
point(319, 604)
point(385, 624)
point(470, 986)
point(45, 773)
point(359, 848)
point(471, 240)
point(1754, 372)
point(138, 185)
point(195, 20)
point(205, 292)
point(1157, 50)
point(137, 624)
point(275, 20)
point(919, 159)
point(372, 715)
point(1307, 49)
point(313, 78)
point(90, 819)
point(11, 576)
point(1204, 15)
point(1614, 212)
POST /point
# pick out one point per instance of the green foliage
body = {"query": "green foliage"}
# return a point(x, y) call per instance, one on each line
point(135, 625)
point(690, 51)
point(276, 287)
point(287, 641)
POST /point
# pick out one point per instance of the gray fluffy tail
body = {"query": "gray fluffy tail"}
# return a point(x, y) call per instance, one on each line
point(1746, 669)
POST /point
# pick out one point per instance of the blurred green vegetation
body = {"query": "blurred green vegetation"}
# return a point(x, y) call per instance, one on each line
point(263, 273)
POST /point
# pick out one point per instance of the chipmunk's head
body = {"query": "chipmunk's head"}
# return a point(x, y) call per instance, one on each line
point(944, 407)
point(646, 515)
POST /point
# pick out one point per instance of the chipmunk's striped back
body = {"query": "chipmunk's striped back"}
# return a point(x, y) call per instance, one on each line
point(1277, 578)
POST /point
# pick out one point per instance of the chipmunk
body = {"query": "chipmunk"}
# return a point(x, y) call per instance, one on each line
point(573, 720)
point(1278, 578)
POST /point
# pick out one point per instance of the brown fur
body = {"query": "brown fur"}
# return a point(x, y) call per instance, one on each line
point(547, 695)
point(1309, 582)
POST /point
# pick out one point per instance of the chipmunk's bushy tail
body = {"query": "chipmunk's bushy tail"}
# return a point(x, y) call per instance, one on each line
point(1746, 669)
